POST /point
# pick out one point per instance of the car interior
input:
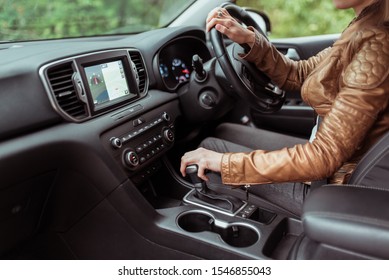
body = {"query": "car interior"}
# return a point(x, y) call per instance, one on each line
point(91, 175)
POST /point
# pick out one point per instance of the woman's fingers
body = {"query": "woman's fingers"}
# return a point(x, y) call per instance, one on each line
point(228, 26)
point(217, 13)
point(217, 16)
point(205, 160)
point(212, 14)
point(201, 172)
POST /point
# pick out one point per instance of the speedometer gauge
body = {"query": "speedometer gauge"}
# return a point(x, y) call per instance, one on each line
point(180, 72)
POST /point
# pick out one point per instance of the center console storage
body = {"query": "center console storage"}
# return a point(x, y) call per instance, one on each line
point(234, 234)
point(282, 239)
point(244, 237)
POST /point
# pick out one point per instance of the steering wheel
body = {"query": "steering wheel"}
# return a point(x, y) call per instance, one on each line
point(246, 79)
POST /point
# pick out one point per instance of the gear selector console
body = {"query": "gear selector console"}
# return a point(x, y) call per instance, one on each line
point(204, 197)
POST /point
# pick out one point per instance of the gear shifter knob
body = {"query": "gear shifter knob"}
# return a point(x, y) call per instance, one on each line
point(191, 171)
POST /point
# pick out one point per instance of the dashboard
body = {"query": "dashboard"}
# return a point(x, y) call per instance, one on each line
point(86, 86)
point(116, 82)
point(82, 117)
point(111, 97)
point(27, 94)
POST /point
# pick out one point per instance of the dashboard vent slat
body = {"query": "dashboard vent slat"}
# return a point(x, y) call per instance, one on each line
point(61, 82)
point(136, 58)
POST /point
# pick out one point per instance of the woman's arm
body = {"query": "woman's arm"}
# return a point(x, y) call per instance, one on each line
point(286, 73)
point(363, 96)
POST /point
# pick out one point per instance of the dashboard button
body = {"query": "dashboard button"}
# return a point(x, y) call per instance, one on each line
point(116, 143)
point(138, 122)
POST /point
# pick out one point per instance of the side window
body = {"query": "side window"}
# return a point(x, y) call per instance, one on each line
point(301, 17)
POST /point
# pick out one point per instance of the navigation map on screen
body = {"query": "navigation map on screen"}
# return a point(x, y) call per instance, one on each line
point(107, 81)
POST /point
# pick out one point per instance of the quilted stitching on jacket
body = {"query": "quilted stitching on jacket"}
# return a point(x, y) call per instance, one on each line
point(369, 67)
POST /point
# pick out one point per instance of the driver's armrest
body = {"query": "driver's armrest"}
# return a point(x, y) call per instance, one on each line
point(354, 218)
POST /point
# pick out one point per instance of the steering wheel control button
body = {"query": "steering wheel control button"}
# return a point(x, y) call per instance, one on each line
point(131, 159)
point(116, 143)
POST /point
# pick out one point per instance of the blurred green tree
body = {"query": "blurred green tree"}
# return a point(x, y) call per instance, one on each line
point(301, 17)
point(45, 19)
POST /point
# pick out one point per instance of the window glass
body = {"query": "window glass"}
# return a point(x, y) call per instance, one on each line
point(24, 20)
point(296, 18)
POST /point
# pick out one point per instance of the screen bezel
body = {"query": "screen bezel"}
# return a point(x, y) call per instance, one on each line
point(102, 58)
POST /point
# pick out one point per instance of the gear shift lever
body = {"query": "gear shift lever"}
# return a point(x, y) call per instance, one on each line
point(191, 171)
point(206, 197)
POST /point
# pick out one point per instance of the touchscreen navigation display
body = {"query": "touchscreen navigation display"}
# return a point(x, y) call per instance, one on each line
point(107, 82)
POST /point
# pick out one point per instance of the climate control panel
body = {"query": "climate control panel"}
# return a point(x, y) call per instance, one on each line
point(137, 143)
point(149, 148)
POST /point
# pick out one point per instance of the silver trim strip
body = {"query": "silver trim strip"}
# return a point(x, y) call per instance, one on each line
point(213, 209)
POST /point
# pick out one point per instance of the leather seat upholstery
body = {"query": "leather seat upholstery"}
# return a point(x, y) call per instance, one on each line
point(351, 218)
point(373, 169)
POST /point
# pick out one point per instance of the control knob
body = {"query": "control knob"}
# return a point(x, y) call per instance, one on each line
point(131, 159)
point(166, 116)
point(168, 135)
point(116, 143)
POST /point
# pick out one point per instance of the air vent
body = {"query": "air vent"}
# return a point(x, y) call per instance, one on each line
point(61, 81)
point(136, 58)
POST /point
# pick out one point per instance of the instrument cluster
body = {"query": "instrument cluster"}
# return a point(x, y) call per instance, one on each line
point(175, 60)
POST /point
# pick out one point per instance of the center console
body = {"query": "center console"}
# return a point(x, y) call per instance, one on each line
point(138, 144)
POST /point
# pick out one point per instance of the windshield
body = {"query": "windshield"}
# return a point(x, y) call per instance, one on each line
point(25, 20)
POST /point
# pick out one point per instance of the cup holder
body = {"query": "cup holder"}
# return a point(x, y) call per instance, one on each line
point(235, 234)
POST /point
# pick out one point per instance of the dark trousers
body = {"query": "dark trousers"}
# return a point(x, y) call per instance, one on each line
point(238, 138)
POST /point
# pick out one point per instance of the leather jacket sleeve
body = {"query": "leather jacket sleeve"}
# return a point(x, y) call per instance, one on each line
point(363, 96)
point(284, 72)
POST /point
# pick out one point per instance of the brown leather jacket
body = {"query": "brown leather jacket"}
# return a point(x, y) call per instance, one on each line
point(351, 97)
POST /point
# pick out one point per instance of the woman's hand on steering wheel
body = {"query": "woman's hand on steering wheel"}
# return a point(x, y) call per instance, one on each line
point(229, 26)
